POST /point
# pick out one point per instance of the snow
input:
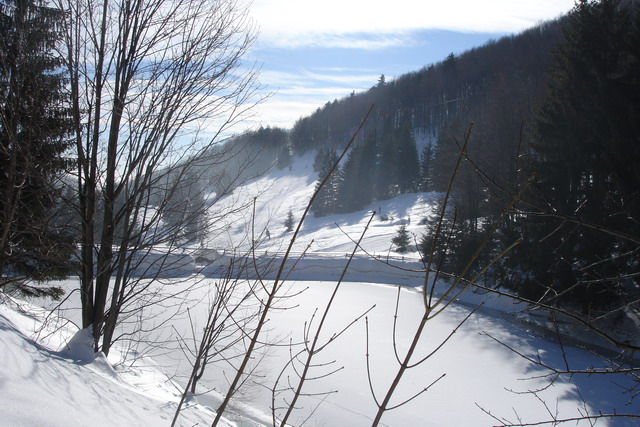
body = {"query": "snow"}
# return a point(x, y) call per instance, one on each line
point(478, 371)
point(51, 377)
point(291, 189)
point(80, 347)
point(45, 387)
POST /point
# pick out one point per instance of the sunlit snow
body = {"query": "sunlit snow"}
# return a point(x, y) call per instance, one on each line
point(51, 379)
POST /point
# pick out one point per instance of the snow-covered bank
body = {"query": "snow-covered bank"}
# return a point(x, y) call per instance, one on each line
point(478, 371)
point(45, 386)
point(44, 383)
point(316, 266)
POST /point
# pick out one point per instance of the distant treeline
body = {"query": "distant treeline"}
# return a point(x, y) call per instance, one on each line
point(556, 106)
point(419, 117)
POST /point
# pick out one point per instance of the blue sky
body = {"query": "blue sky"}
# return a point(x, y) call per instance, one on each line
point(314, 52)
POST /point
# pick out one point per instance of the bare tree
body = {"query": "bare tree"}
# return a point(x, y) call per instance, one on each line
point(432, 307)
point(609, 334)
point(235, 301)
point(154, 84)
point(272, 292)
point(301, 363)
point(437, 296)
point(613, 327)
point(229, 319)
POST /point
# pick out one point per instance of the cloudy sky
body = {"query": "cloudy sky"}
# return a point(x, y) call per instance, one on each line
point(316, 51)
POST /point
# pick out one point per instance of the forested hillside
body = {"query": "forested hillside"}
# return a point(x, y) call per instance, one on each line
point(418, 117)
point(506, 191)
point(550, 120)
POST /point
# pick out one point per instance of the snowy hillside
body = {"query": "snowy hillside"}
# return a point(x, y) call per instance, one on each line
point(291, 189)
point(45, 387)
point(48, 381)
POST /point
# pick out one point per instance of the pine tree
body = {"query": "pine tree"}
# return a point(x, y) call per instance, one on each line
point(358, 176)
point(283, 155)
point(289, 222)
point(586, 157)
point(385, 176)
point(320, 159)
point(35, 128)
point(184, 212)
point(406, 159)
point(326, 201)
point(426, 168)
point(402, 239)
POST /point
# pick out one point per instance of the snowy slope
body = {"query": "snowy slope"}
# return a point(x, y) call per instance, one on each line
point(290, 189)
point(478, 371)
point(43, 385)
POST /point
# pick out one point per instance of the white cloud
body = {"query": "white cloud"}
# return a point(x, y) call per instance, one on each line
point(365, 25)
point(360, 40)
point(300, 93)
point(282, 113)
point(376, 24)
point(315, 82)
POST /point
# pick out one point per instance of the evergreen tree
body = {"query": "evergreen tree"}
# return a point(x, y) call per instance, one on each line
point(289, 222)
point(407, 164)
point(586, 157)
point(34, 133)
point(402, 240)
point(283, 155)
point(591, 114)
point(357, 176)
point(426, 167)
point(326, 201)
point(385, 178)
point(320, 159)
point(184, 211)
point(441, 256)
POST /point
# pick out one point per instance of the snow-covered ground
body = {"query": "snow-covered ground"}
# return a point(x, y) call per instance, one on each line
point(47, 382)
point(44, 385)
point(287, 190)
